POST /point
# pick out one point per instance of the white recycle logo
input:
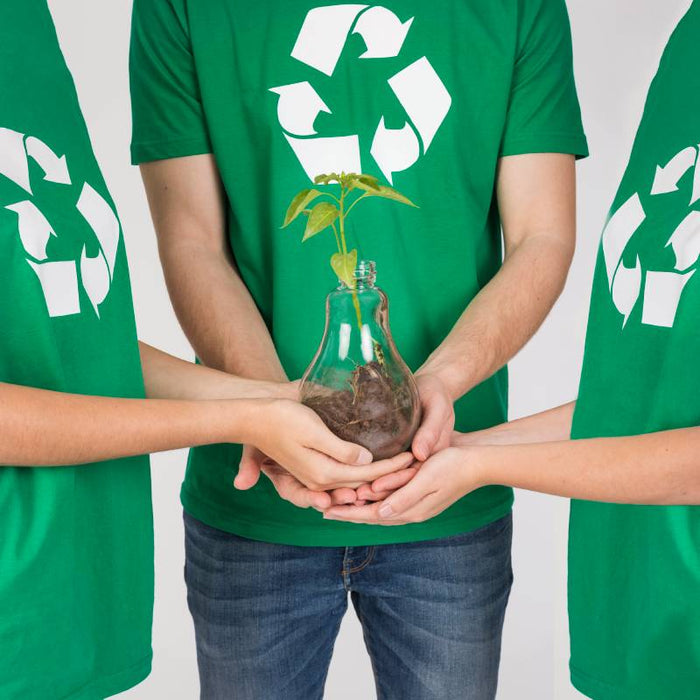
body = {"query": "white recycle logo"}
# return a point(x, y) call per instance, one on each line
point(663, 289)
point(417, 87)
point(59, 279)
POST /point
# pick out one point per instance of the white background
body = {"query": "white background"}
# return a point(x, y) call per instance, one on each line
point(617, 45)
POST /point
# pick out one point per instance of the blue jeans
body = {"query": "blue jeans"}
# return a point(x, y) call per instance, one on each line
point(266, 615)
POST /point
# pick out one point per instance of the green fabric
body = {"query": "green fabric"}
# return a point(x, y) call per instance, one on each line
point(634, 578)
point(76, 549)
point(482, 79)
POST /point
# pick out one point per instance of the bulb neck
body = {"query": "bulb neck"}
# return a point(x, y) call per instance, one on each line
point(365, 275)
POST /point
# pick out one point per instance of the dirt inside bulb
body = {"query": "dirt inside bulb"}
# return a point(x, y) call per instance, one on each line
point(376, 411)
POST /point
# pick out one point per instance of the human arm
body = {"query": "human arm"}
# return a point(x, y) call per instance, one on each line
point(537, 201)
point(660, 468)
point(210, 299)
point(168, 377)
point(48, 428)
point(548, 426)
point(542, 125)
point(41, 427)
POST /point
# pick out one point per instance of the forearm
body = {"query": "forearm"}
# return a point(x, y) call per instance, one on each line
point(503, 316)
point(48, 428)
point(168, 377)
point(213, 305)
point(548, 426)
point(660, 468)
point(217, 313)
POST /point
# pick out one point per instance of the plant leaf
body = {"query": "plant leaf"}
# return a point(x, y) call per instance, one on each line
point(326, 178)
point(344, 267)
point(369, 180)
point(298, 204)
point(386, 192)
point(321, 217)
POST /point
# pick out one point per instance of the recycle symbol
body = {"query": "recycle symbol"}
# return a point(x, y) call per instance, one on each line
point(662, 289)
point(417, 87)
point(60, 280)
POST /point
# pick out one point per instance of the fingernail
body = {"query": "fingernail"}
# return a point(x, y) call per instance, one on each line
point(365, 457)
point(326, 516)
point(386, 511)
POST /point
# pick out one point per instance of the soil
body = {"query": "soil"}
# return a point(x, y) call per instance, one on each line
point(375, 411)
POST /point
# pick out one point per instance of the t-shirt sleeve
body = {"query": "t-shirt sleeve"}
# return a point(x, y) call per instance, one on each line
point(167, 114)
point(544, 115)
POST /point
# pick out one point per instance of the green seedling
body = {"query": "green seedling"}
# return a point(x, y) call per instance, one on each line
point(332, 213)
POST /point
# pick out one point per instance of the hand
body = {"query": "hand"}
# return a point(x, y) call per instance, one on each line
point(296, 493)
point(441, 481)
point(252, 459)
point(438, 421)
point(254, 462)
point(295, 438)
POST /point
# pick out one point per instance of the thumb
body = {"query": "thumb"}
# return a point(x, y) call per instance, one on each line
point(436, 413)
point(407, 497)
point(345, 452)
point(249, 468)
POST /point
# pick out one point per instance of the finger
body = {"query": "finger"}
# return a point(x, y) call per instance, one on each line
point(354, 514)
point(428, 507)
point(386, 485)
point(419, 509)
point(436, 413)
point(348, 453)
point(365, 493)
point(445, 439)
point(378, 496)
point(400, 503)
point(249, 468)
point(354, 477)
point(295, 492)
point(343, 497)
point(392, 482)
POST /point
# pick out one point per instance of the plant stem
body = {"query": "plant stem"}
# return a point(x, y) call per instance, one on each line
point(337, 240)
point(342, 220)
point(332, 196)
point(343, 214)
point(366, 194)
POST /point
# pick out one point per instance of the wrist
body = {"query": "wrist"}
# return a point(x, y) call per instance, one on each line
point(456, 379)
point(238, 420)
point(283, 390)
point(478, 466)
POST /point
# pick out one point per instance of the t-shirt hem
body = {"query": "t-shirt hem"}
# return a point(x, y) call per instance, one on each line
point(115, 683)
point(314, 536)
point(575, 144)
point(600, 690)
point(146, 152)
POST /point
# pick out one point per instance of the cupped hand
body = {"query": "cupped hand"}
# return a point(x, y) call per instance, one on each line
point(296, 439)
point(439, 482)
point(438, 421)
point(291, 489)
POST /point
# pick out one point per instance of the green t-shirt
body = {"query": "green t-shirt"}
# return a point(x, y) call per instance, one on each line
point(634, 577)
point(76, 543)
point(425, 98)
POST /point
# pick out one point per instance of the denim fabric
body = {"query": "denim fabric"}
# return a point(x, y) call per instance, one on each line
point(266, 615)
